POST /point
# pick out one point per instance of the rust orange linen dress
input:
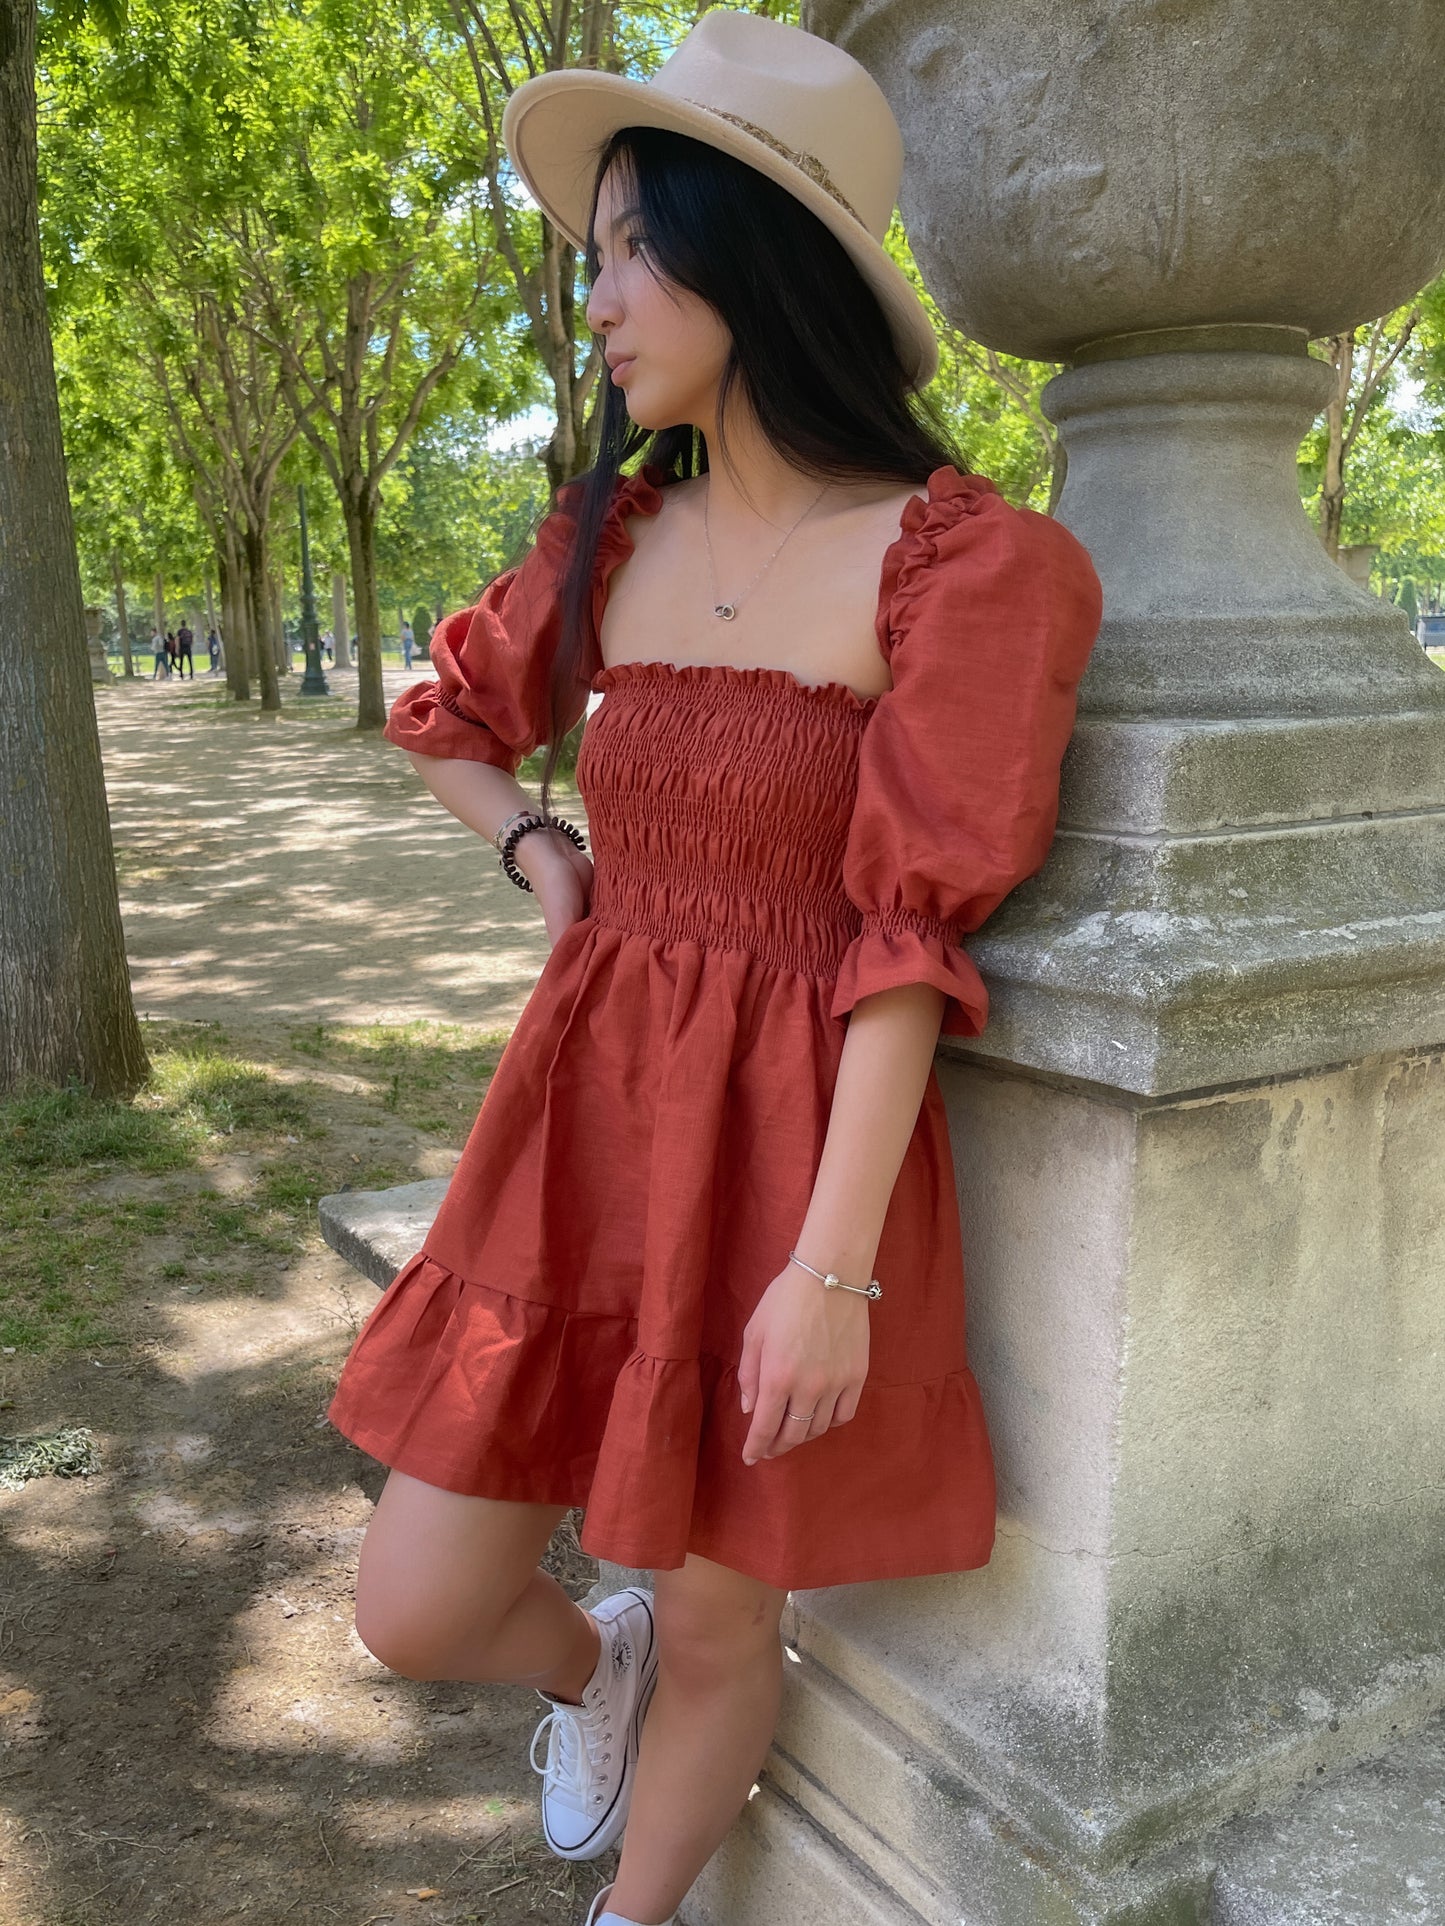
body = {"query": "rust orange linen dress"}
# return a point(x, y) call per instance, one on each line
point(765, 853)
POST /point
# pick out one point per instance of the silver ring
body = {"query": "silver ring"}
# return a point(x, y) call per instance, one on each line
point(798, 1417)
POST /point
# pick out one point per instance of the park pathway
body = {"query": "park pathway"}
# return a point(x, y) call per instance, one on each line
point(191, 1731)
point(290, 868)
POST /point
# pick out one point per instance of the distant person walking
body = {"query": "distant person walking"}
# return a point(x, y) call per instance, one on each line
point(185, 645)
point(213, 648)
point(158, 650)
point(408, 643)
point(170, 651)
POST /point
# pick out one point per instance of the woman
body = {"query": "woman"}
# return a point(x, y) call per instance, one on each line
point(839, 676)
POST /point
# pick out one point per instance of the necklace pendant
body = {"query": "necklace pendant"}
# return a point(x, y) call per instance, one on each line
point(726, 610)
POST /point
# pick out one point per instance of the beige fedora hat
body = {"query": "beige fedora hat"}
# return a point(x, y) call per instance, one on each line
point(790, 104)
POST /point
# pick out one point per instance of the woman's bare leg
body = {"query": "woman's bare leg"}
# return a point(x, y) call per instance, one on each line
point(707, 1731)
point(448, 1588)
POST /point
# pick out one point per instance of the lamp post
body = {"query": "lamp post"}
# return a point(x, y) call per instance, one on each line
point(314, 681)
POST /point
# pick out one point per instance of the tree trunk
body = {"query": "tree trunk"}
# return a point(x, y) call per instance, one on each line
point(160, 606)
point(1332, 488)
point(210, 607)
point(121, 617)
point(361, 540)
point(340, 632)
point(281, 652)
point(235, 631)
point(258, 618)
point(65, 1000)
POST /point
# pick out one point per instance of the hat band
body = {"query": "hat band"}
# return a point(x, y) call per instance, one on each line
point(808, 164)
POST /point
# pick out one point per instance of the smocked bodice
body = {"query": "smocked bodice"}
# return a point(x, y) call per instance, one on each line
point(719, 801)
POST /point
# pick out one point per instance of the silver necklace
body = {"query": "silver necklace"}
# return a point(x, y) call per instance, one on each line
point(727, 610)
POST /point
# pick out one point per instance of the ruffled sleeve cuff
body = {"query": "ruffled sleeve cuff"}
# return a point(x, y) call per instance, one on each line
point(898, 947)
point(422, 720)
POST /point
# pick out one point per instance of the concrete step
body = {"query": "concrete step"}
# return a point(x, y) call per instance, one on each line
point(376, 1231)
point(1364, 1846)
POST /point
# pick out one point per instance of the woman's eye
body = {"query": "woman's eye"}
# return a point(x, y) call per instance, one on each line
point(636, 241)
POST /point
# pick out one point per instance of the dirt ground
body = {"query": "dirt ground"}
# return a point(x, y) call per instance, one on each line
point(190, 1730)
point(292, 868)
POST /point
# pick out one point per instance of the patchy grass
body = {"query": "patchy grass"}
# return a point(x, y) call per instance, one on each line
point(431, 1075)
point(83, 1229)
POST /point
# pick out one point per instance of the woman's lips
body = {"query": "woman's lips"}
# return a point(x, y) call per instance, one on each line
point(622, 367)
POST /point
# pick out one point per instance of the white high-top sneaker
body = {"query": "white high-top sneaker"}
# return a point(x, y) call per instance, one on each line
point(609, 1918)
point(592, 1747)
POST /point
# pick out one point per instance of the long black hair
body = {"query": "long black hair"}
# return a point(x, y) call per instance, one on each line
point(811, 351)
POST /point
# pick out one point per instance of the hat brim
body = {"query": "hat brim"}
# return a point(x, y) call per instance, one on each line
point(555, 125)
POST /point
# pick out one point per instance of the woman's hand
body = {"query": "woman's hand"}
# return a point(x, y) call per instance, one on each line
point(560, 875)
point(806, 1346)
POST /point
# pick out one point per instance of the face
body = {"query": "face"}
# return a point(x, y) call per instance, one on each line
point(665, 346)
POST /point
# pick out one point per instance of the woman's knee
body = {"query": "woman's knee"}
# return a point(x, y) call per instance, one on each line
point(406, 1637)
point(712, 1620)
point(432, 1631)
point(439, 1574)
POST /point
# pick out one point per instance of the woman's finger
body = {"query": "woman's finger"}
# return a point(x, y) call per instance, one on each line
point(767, 1418)
point(792, 1431)
point(822, 1417)
point(748, 1366)
point(847, 1405)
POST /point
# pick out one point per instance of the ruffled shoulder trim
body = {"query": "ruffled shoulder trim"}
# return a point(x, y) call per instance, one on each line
point(928, 528)
point(639, 494)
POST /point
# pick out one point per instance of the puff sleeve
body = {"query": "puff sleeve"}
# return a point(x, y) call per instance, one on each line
point(489, 699)
point(992, 616)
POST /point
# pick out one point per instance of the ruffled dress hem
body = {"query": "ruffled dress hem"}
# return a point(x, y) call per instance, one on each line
point(562, 1408)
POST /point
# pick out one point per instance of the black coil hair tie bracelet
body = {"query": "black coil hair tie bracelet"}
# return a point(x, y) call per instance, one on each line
point(533, 819)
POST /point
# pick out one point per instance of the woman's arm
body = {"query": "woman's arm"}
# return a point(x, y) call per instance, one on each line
point(887, 1054)
point(479, 794)
point(482, 795)
point(804, 1344)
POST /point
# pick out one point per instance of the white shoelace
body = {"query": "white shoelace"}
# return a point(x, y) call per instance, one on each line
point(575, 1758)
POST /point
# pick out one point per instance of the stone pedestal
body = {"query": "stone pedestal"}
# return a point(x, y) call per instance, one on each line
point(1200, 1146)
point(1357, 559)
point(100, 670)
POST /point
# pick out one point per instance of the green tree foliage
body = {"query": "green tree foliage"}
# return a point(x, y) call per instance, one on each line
point(1372, 469)
point(266, 207)
point(284, 240)
point(459, 513)
point(991, 399)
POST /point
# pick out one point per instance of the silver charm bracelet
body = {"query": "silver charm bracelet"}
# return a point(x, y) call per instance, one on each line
point(832, 1282)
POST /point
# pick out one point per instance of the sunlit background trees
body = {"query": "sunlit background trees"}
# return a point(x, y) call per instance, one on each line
point(283, 243)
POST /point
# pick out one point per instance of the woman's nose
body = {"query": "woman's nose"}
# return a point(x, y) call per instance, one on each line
point(602, 310)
